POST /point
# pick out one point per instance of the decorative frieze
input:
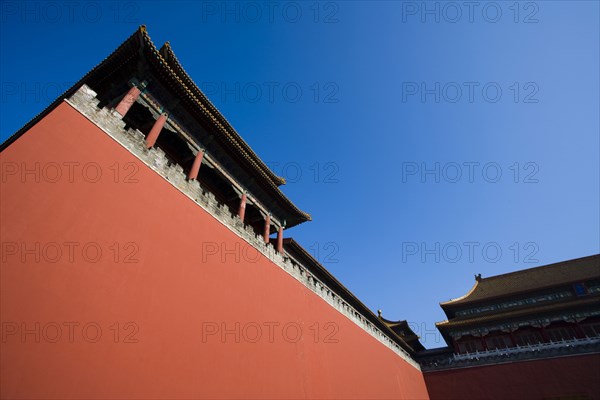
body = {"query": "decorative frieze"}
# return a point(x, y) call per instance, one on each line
point(109, 121)
point(515, 303)
point(512, 354)
point(481, 331)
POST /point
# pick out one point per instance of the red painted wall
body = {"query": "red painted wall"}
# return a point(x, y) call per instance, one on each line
point(154, 311)
point(576, 377)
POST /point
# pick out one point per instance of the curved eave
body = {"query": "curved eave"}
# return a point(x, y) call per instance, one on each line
point(394, 323)
point(531, 279)
point(204, 106)
point(171, 59)
point(537, 311)
point(167, 53)
point(140, 41)
point(461, 299)
point(404, 331)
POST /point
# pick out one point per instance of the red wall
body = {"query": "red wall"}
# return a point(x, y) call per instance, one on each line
point(168, 293)
point(576, 377)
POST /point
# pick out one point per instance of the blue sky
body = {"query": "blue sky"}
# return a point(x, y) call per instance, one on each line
point(429, 141)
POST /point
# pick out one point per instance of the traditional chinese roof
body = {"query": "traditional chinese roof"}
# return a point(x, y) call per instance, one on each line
point(402, 329)
point(166, 54)
point(163, 63)
point(523, 313)
point(527, 280)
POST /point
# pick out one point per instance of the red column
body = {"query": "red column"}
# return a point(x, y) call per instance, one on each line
point(128, 100)
point(242, 210)
point(196, 166)
point(280, 240)
point(267, 228)
point(153, 135)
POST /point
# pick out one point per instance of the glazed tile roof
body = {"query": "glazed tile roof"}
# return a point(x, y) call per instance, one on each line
point(166, 59)
point(166, 63)
point(403, 329)
point(167, 54)
point(530, 279)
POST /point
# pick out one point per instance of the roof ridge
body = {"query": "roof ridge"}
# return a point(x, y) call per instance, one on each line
point(224, 125)
point(463, 296)
point(475, 294)
point(264, 169)
point(278, 180)
point(140, 40)
point(541, 267)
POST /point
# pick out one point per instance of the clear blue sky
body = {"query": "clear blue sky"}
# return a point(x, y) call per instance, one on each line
point(388, 90)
